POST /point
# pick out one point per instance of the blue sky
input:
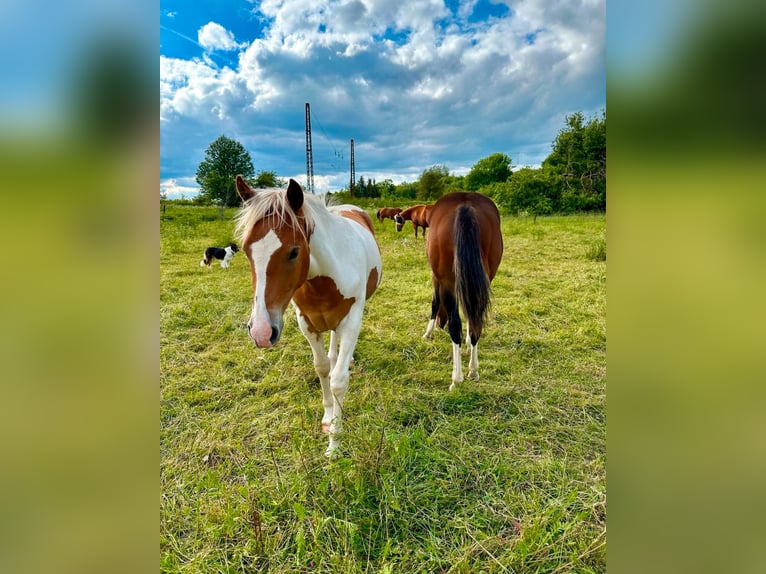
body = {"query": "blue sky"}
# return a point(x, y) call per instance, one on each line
point(415, 83)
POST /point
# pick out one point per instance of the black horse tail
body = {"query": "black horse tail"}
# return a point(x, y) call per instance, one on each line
point(471, 281)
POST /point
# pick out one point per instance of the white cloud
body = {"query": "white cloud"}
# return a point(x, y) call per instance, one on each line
point(179, 188)
point(413, 84)
point(213, 36)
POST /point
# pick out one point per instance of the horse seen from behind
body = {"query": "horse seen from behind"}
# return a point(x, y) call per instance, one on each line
point(418, 214)
point(464, 248)
point(326, 261)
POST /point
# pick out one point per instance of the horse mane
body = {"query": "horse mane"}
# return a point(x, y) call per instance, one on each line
point(272, 203)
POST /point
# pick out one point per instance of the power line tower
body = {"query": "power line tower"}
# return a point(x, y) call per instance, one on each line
point(353, 171)
point(309, 152)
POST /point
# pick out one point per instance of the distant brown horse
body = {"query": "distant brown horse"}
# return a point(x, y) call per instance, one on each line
point(418, 214)
point(464, 249)
point(387, 213)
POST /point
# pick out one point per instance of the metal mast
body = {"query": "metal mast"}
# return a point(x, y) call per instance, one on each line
point(309, 152)
point(353, 171)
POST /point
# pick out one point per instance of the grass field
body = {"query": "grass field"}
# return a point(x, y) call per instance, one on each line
point(505, 474)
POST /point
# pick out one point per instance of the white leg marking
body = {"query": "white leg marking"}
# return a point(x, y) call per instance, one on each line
point(429, 329)
point(467, 337)
point(457, 366)
point(473, 365)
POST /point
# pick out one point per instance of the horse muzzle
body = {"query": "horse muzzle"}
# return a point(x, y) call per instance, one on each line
point(265, 333)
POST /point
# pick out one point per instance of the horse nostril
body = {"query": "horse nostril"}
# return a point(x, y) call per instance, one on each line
point(274, 335)
point(249, 325)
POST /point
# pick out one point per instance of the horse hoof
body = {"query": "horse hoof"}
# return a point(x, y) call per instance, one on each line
point(332, 452)
point(473, 375)
point(452, 387)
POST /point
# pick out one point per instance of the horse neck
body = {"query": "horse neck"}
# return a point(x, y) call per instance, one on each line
point(325, 245)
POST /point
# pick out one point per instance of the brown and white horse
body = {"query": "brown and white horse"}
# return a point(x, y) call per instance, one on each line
point(418, 214)
point(327, 262)
point(464, 249)
point(387, 213)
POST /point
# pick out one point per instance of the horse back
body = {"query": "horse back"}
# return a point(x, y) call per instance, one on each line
point(441, 219)
point(360, 216)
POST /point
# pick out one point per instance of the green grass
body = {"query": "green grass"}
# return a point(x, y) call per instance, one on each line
point(506, 474)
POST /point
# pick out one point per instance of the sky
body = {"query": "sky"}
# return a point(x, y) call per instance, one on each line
point(414, 83)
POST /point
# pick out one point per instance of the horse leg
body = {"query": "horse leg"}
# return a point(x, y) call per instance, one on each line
point(467, 337)
point(322, 367)
point(473, 363)
point(348, 331)
point(333, 349)
point(434, 310)
point(455, 333)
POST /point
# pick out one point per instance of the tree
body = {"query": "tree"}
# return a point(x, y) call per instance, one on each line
point(432, 183)
point(267, 179)
point(224, 159)
point(495, 168)
point(579, 157)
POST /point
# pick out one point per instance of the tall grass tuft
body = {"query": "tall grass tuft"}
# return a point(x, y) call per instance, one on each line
point(597, 251)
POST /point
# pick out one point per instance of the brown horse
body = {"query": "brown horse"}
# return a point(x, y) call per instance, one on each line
point(418, 214)
point(387, 213)
point(464, 249)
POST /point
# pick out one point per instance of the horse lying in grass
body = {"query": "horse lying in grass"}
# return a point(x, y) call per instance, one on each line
point(326, 261)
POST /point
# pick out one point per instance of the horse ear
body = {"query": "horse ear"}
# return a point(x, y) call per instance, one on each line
point(244, 190)
point(295, 195)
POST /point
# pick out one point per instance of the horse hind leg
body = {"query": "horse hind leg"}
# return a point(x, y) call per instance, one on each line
point(456, 332)
point(434, 310)
point(473, 363)
point(467, 337)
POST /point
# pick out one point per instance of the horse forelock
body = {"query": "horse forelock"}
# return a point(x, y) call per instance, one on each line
point(272, 205)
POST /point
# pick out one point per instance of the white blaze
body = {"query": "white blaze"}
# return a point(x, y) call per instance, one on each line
point(260, 254)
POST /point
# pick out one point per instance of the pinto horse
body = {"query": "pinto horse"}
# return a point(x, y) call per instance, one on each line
point(464, 249)
point(325, 260)
point(418, 214)
point(387, 213)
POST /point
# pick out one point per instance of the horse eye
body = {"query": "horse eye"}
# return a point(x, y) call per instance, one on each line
point(294, 254)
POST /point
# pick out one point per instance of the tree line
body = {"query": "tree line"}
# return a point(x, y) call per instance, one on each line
point(571, 179)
